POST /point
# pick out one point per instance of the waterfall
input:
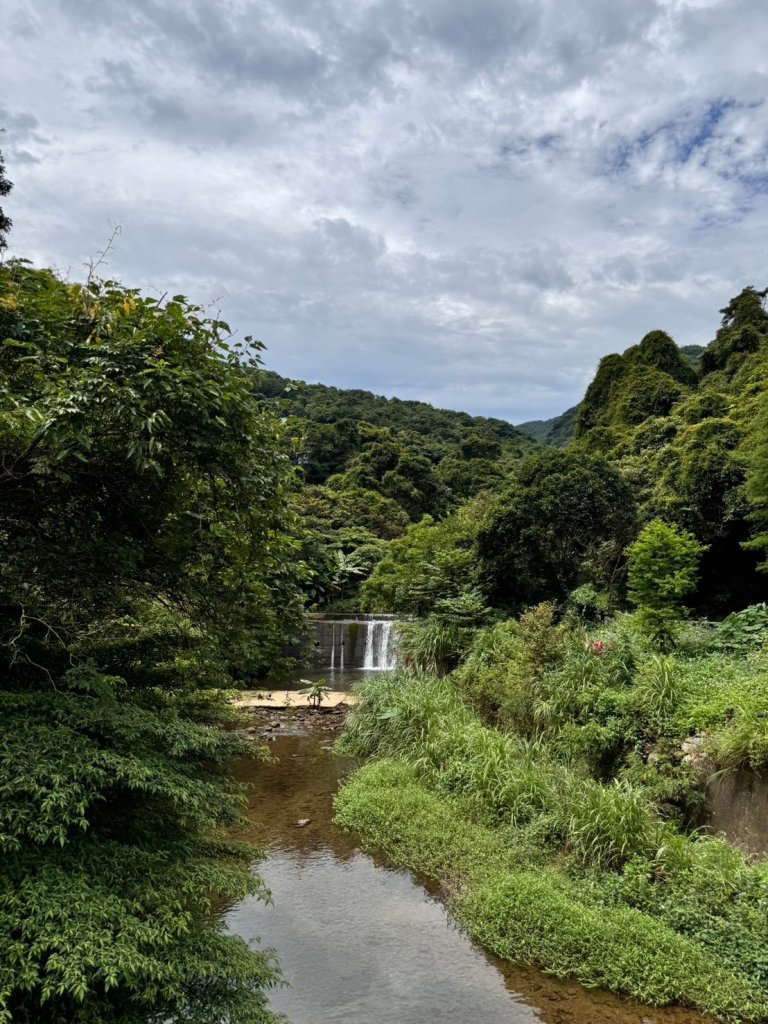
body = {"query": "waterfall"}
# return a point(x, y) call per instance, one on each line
point(343, 644)
point(380, 650)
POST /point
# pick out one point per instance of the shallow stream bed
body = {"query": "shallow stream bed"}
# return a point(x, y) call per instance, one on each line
point(361, 943)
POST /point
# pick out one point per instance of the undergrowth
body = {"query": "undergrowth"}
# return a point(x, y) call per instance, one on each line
point(542, 917)
point(560, 835)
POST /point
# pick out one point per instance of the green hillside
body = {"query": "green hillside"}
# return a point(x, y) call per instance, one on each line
point(556, 431)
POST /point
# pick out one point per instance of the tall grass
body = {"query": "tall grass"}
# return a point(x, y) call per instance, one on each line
point(508, 779)
point(515, 803)
point(607, 825)
point(432, 645)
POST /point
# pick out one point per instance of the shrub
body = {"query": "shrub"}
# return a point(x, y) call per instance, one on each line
point(506, 663)
point(744, 630)
point(662, 570)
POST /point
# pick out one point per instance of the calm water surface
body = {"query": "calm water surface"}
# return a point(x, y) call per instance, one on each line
point(361, 943)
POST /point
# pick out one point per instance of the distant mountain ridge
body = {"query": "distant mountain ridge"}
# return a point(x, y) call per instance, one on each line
point(556, 431)
point(322, 403)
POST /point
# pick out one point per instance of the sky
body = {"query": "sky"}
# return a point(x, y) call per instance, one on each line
point(463, 203)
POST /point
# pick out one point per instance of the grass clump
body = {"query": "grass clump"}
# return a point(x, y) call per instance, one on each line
point(524, 918)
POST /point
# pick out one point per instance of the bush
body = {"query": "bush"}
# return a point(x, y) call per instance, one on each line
point(744, 630)
point(502, 673)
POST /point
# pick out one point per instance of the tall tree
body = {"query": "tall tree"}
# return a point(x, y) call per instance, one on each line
point(757, 485)
point(564, 521)
point(145, 556)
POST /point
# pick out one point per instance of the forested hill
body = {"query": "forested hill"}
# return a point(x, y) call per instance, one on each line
point(559, 430)
point(320, 403)
point(371, 466)
point(423, 458)
point(556, 431)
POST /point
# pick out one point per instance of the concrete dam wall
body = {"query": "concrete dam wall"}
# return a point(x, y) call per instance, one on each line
point(340, 643)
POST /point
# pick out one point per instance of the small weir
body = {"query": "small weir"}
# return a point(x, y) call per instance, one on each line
point(362, 643)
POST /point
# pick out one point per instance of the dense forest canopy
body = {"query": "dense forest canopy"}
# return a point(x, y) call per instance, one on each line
point(372, 465)
point(677, 427)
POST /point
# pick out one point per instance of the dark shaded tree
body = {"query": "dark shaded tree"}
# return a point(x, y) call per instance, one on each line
point(565, 521)
point(146, 556)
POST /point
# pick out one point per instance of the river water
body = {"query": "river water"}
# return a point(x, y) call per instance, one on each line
point(361, 943)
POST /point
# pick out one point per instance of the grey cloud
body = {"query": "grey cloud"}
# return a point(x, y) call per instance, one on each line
point(465, 204)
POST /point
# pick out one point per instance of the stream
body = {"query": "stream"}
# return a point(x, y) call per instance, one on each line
point(362, 943)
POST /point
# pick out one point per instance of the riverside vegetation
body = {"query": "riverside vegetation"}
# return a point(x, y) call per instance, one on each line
point(536, 766)
point(168, 510)
point(562, 841)
point(544, 753)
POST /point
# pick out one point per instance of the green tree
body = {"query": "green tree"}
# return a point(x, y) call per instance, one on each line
point(432, 562)
point(145, 552)
point(662, 569)
point(564, 521)
point(743, 331)
point(757, 486)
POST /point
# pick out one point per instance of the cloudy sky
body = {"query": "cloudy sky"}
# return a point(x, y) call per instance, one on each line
point(463, 202)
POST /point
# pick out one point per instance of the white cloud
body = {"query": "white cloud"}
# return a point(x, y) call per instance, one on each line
point(468, 204)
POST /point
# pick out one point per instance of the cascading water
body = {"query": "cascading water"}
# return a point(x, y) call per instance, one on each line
point(380, 650)
point(362, 644)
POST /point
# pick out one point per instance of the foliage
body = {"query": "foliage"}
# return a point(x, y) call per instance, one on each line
point(567, 516)
point(432, 562)
point(542, 917)
point(376, 465)
point(742, 332)
point(647, 380)
point(502, 673)
point(320, 404)
point(147, 553)
point(398, 471)
point(743, 630)
point(557, 431)
point(607, 825)
point(469, 804)
point(588, 603)
point(315, 692)
point(662, 567)
point(757, 485)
